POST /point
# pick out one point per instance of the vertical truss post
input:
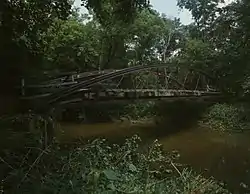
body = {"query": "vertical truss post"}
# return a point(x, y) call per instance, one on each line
point(157, 85)
point(22, 87)
point(185, 80)
point(147, 83)
point(197, 83)
point(134, 85)
point(207, 86)
point(166, 78)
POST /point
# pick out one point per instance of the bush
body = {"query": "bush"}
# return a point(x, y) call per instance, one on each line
point(98, 167)
point(224, 117)
point(140, 110)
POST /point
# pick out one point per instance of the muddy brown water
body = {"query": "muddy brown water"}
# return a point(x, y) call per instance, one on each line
point(224, 156)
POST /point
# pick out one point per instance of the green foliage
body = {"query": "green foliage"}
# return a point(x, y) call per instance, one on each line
point(198, 54)
point(79, 44)
point(203, 11)
point(71, 45)
point(123, 33)
point(61, 39)
point(153, 36)
point(140, 110)
point(98, 167)
point(106, 10)
point(224, 117)
point(227, 31)
point(21, 26)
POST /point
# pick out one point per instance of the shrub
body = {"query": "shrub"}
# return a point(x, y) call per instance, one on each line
point(140, 110)
point(224, 117)
point(98, 167)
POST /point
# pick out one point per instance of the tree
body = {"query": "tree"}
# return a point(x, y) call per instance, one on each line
point(72, 45)
point(22, 23)
point(198, 54)
point(227, 30)
point(152, 37)
point(123, 10)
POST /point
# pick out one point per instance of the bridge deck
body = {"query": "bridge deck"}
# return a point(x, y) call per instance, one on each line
point(89, 94)
point(142, 93)
point(78, 101)
point(86, 95)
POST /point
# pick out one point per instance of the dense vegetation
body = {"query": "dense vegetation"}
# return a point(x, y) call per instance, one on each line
point(40, 38)
point(97, 167)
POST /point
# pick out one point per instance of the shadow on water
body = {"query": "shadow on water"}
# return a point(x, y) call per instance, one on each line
point(171, 118)
point(178, 116)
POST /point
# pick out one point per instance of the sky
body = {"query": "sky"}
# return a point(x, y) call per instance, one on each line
point(168, 7)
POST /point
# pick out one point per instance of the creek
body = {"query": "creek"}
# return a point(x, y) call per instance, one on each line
point(224, 156)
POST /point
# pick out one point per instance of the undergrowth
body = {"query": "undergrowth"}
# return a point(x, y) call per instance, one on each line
point(140, 110)
point(226, 117)
point(100, 167)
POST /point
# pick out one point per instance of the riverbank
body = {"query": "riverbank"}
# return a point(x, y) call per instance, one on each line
point(224, 156)
point(207, 152)
point(102, 167)
point(210, 153)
